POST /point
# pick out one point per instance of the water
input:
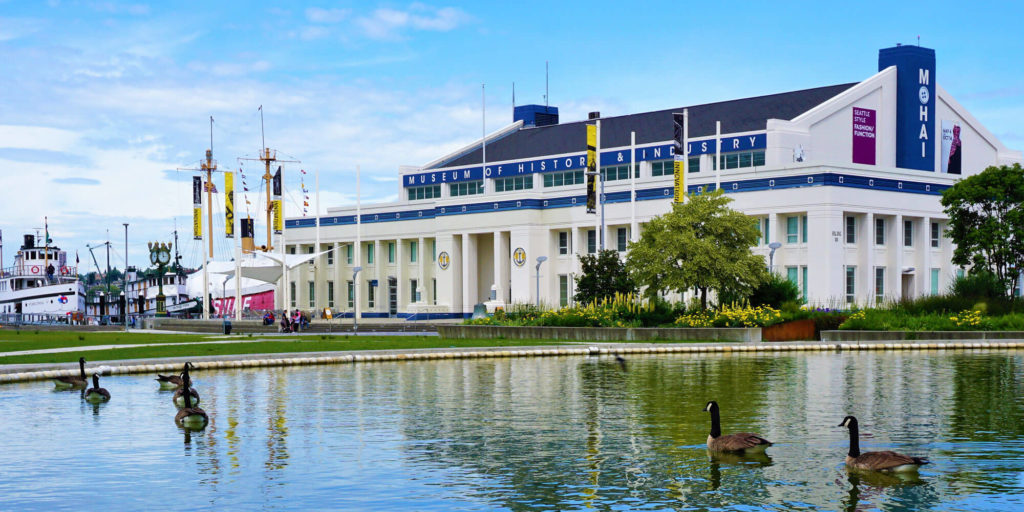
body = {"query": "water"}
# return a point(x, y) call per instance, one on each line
point(569, 433)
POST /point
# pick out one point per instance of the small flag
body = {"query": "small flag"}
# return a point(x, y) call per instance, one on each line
point(303, 171)
point(76, 258)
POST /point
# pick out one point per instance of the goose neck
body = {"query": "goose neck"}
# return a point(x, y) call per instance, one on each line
point(854, 440)
point(716, 423)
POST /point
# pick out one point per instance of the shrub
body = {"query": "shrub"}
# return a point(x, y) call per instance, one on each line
point(774, 292)
point(979, 284)
point(732, 316)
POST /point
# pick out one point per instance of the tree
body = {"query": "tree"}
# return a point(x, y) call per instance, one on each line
point(602, 275)
point(701, 244)
point(986, 222)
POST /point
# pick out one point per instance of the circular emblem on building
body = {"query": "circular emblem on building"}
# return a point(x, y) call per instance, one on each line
point(63, 299)
point(443, 260)
point(923, 95)
point(519, 256)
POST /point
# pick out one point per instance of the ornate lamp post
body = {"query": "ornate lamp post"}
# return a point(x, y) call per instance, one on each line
point(160, 255)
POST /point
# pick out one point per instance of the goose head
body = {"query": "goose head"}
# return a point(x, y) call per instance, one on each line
point(712, 405)
point(849, 422)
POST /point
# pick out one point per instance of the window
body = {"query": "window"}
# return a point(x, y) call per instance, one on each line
point(960, 273)
point(935, 234)
point(291, 250)
point(760, 233)
point(414, 294)
point(792, 227)
point(851, 281)
point(513, 183)
point(348, 253)
point(351, 294)
point(468, 188)
point(370, 288)
point(309, 250)
point(391, 252)
point(433, 250)
point(767, 231)
point(563, 242)
point(312, 294)
point(741, 159)
point(330, 257)
point(292, 294)
point(803, 229)
point(330, 294)
point(558, 179)
point(563, 290)
point(879, 231)
point(693, 164)
point(620, 235)
point(879, 284)
point(591, 241)
point(369, 253)
point(792, 274)
point(619, 172)
point(935, 281)
point(908, 233)
point(426, 192)
point(433, 288)
point(803, 279)
point(414, 251)
point(667, 167)
point(851, 229)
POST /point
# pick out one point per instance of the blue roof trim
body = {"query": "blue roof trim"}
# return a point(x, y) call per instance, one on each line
point(825, 179)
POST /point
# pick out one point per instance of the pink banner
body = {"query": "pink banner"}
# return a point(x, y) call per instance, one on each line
point(255, 302)
point(863, 136)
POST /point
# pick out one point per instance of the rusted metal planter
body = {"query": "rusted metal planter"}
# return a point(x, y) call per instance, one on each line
point(796, 330)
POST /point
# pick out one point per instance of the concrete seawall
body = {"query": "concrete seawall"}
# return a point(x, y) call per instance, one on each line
point(599, 334)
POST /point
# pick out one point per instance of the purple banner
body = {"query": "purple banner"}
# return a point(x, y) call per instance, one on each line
point(863, 136)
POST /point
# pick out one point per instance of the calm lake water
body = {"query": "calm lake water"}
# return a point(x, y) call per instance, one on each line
point(570, 433)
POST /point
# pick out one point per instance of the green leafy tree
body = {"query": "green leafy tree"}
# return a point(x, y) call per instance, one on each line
point(602, 275)
point(700, 244)
point(986, 222)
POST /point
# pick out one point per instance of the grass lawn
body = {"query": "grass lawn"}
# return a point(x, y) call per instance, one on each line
point(13, 340)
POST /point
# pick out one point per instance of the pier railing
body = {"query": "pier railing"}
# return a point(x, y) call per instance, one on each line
point(40, 271)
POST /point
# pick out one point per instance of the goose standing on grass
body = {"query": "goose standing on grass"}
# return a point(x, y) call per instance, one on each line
point(96, 394)
point(743, 442)
point(889, 462)
point(169, 382)
point(189, 417)
point(73, 382)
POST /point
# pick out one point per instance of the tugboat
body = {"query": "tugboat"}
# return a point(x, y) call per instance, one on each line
point(40, 286)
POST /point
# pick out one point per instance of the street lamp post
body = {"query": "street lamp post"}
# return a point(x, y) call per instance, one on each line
point(771, 255)
point(124, 287)
point(540, 260)
point(355, 283)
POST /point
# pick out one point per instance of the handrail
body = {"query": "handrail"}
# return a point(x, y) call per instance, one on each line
point(39, 270)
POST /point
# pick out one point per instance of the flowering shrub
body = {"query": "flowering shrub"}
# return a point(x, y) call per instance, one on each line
point(967, 318)
point(732, 316)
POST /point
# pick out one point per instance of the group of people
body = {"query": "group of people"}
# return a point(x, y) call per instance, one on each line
point(297, 321)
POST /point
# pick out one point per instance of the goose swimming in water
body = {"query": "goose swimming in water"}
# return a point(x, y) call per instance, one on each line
point(96, 394)
point(889, 462)
point(179, 395)
point(742, 442)
point(169, 382)
point(190, 417)
point(73, 382)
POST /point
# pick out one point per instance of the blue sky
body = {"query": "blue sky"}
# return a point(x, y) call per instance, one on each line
point(102, 101)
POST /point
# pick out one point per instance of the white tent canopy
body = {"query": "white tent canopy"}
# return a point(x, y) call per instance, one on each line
point(259, 273)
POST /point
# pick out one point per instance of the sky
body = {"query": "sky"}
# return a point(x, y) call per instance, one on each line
point(104, 105)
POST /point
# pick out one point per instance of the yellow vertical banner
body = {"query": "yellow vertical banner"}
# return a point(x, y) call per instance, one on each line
point(197, 223)
point(229, 205)
point(591, 168)
point(278, 217)
point(679, 178)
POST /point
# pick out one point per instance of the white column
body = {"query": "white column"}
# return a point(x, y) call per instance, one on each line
point(825, 258)
point(894, 244)
point(378, 267)
point(469, 277)
point(924, 245)
point(499, 259)
point(866, 247)
point(421, 248)
point(773, 227)
point(399, 275)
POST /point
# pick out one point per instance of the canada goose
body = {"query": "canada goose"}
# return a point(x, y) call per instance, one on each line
point(75, 382)
point(179, 394)
point(96, 394)
point(743, 442)
point(887, 461)
point(169, 382)
point(189, 417)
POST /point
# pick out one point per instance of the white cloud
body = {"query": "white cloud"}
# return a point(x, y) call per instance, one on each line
point(386, 23)
point(37, 137)
point(320, 15)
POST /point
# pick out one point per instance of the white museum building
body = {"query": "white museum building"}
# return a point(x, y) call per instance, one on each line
point(847, 178)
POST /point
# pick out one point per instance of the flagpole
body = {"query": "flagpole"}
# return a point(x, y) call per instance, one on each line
point(600, 192)
point(718, 154)
point(238, 255)
point(357, 313)
point(316, 266)
point(632, 186)
point(483, 130)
